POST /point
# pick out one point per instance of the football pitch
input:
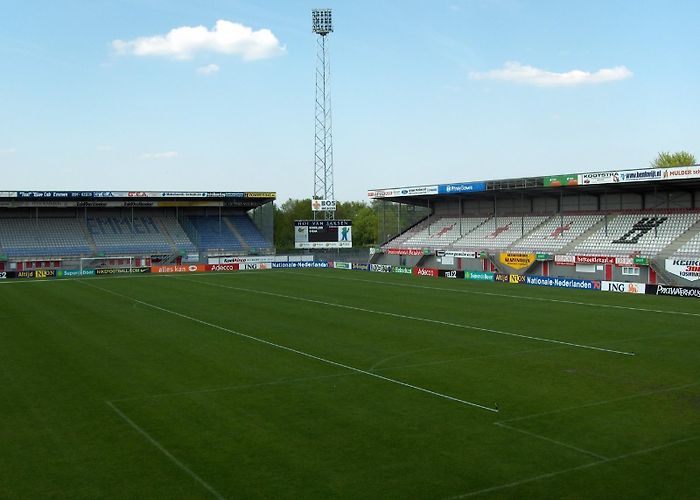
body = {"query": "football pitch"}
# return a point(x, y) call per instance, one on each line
point(344, 384)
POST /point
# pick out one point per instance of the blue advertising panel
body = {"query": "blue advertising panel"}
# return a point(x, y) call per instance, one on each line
point(461, 187)
point(562, 282)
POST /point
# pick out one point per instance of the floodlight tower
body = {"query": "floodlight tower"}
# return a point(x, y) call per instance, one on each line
point(322, 25)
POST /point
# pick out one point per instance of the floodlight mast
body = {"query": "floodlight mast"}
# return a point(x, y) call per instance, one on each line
point(322, 25)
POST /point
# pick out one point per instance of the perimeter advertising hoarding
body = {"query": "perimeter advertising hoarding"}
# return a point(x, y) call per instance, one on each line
point(36, 274)
point(123, 270)
point(561, 180)
point(380, 268)
point(622, 287)
point(673, 291)
point(562, 282)
point(323, 234)
point(517, 260)
point(516, 279)
point(688, 269)
point(425, 271)
point(478, 276)
point(402, 270)
point(192, 268)
point(451, 274)
point(314, 264)
point(342, 265)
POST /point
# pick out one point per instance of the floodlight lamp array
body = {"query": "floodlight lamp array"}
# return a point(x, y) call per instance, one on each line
point(322, 21)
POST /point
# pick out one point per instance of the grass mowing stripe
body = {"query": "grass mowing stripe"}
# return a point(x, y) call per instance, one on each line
point(296, 351)
point(412, 318)
point(572, 469)
point(493, 294)
point(164, 451)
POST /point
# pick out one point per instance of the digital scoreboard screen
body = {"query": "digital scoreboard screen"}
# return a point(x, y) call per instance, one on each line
point(323, 234)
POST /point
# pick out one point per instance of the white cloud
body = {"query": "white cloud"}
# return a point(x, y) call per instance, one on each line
point(159, 156)
point(209, 69)
point(8, 151)
point(529, 75)
point(186, 41)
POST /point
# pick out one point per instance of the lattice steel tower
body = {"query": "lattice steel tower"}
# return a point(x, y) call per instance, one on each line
point(322, 25)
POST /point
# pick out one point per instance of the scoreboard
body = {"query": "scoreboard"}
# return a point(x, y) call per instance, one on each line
point(323, 234)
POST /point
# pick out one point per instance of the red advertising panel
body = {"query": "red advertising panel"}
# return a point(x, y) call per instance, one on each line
point(192, 268)
point(217, 268)
point(404, 251)
point(425, 271)
point(594, 259)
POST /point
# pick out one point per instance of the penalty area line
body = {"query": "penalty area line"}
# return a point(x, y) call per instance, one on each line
point(298, 352)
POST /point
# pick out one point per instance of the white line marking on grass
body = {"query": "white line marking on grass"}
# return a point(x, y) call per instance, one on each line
point(165, 452)
point(296, 351)
point(545, 438)
point(412, 318)
point(572, 469)
point(493, 294)
point(599, 403)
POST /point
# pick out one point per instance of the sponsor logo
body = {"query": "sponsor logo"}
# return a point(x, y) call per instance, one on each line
point(300, 265)
point(456, 254)
point(565, 260)
point(402, 270)
point(673, 291)
point(622, 287)
point(478, 276)
point(467, 187)
point(502, 278)
point(72, 273)
point(402, 191)
point(594, 259)
point(561, 180)
point(688, 269)
point(323, 205)
point(599, 178)
point(221, 267)
point(342, 265)
point(124, 270)
point(517, 260)
point(3, 275)
point(360, 267)
point(380, 268)
point(405, 251)
point(425, 271)
point(516, 279)
point(562, 282)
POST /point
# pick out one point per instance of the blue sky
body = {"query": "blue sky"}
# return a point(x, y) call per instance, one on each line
point(423, 91)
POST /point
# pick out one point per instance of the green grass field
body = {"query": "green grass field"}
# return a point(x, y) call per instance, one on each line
point(339, 384)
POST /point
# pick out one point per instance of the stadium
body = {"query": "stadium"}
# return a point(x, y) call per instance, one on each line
point(181, 356)
point(530, 337)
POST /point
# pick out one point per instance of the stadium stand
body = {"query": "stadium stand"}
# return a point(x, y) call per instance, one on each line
point(43, 237)
point(556, 233)
point(215, 234)
point(637, 233)
point(128, 235)
point(441, 232)
point(249, 232)
point(499, 233)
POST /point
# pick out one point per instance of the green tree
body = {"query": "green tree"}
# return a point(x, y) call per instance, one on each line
point(666, 159)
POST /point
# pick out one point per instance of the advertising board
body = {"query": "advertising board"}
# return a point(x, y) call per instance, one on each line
point(217, 268)
point(451, 274)
point(342, 265)
point(516, 279)
point(456, 254)
point(323, 205)
point(478, 276)
point(501, 278)
point(402, 270)
point(380, 268)
point(190, 268)
point(254, 266)
point(358, 266)
point(680, 173)
point(403, 191)
point(561, 180)
point(622, 287)
point(565, 260)
point(405, 251)
point(425, 271)
point(314, 264)
point(688, 269)
point(673, 291)
point(517, 260)
point(36, 274)
point(461, 187)
point(323, 234)
point(562, 282)
point(72, 273)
